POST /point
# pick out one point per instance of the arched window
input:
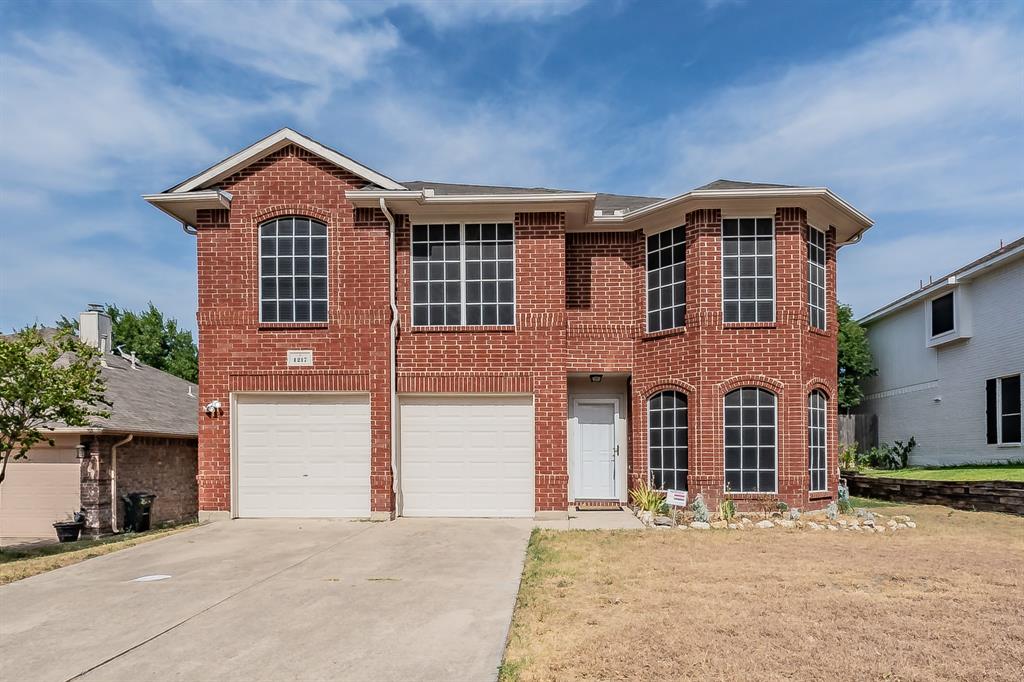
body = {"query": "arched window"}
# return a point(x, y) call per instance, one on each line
point(293, 270)
point(816, 440)
point(668, 440)
point(750, 441)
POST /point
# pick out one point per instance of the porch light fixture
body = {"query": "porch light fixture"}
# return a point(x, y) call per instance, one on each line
point(596, 378)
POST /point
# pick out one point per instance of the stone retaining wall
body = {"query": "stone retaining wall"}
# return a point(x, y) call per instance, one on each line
point(998, 496)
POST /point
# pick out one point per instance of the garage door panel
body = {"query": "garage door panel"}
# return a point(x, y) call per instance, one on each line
point(467, 456)
point(303, 455)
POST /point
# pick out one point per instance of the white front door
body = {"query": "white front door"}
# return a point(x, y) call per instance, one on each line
point(595, 451)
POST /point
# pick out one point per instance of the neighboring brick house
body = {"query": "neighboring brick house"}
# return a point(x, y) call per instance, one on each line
point(552, 347)
point(148, 443)
point(950, 361)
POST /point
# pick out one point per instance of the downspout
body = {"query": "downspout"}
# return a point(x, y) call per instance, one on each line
point(113, 480)
point(188, 229)
point(392, 359)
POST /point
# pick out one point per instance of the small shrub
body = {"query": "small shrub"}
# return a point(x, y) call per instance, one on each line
point(885, 456)
point(848, 456)
point(647, 498)
point(844, 505)
point(901, 451)
point(700, 509)
point(767, 503)
point(794, 514)
point(783, 507)
point(832, 511)
point(727, 510)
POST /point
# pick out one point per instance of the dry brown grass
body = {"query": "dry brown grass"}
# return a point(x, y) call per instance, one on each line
point(18, 565)
point(944, 601)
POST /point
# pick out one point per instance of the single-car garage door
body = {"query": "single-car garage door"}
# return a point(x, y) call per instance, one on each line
point(303, 455)
point(39, 490)
point(467, 456)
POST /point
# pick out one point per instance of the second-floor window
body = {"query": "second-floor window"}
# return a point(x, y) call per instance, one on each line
point(293, 270)
point(816, 277)
point(943, 319)
point(463, 274)
point(666, 279)
point(1003, 410)
point(748, 270)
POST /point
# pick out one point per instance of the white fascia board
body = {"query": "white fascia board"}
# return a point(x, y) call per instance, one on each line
point(824, 194)
point(941, 285)
point(183, 207)
point(272, 143)
point(372, 197)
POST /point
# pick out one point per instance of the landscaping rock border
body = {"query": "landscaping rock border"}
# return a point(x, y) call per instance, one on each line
point(863, 521)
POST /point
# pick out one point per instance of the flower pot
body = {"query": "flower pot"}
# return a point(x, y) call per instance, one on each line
point(68, 531)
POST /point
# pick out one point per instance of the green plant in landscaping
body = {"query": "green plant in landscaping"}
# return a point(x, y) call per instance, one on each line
point(648, 498)
point(848, 457)
point(727, 509)
point(700, 509)
point(832, 511)
point(783, 507)
point(887, 456)
point(844, 505)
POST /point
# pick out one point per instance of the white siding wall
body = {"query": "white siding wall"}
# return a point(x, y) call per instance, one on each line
point(911, 376)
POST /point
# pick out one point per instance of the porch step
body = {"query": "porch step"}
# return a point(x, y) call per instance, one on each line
point(598, 505)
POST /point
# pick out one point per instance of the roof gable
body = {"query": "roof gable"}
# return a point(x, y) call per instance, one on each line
point(272, 143)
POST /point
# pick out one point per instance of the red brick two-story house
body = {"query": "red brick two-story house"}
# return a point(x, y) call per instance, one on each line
point(369, 347)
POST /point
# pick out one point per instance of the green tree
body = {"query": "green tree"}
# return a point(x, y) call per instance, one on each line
point(154, 339)
point(855, 362)
point(45, 382)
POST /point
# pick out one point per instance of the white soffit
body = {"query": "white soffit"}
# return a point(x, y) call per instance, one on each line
point(271, 144)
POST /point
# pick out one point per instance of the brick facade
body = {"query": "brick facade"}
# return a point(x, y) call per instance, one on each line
point(580, 308)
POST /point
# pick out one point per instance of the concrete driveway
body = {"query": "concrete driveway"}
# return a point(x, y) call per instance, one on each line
point(417, 599)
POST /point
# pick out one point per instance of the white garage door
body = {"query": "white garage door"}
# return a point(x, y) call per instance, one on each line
point(303, 455)
point(467, 456)
point(39, 490)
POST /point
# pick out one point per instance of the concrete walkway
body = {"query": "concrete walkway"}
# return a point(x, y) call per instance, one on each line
point(417, 599)
point(594, 520)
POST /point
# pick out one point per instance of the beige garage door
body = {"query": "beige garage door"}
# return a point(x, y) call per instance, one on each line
point(467, 456)
point(303, 455)
point(40, 490)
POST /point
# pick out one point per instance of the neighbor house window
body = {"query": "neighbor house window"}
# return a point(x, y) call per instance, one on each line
point(748, 270)
point(293, 270)
point(1003, 410)
point(943, 314)
point(463, 274)
point(816, 277)
point(668, 440)
point(666, 279)
point(817, 444)
point(750, 459)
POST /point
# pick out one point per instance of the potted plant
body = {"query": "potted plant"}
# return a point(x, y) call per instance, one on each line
point(69, 530)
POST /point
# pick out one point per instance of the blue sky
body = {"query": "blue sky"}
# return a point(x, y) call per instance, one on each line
point(913, 112)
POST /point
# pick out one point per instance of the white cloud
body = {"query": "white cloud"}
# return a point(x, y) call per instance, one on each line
point(920, 118)
point(76, 118)
point(458, 12)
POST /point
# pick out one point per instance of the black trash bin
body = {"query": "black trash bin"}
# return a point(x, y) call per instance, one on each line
point(138, 508)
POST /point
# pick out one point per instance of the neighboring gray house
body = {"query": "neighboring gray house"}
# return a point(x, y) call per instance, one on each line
point(149, 442)
point(950, 358)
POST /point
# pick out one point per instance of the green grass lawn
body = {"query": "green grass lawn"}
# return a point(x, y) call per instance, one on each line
point(978, 472)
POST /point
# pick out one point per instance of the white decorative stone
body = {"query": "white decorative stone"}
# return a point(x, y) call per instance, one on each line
point(765, 524)
point(733, 526)
point(911, 524)
point(700, 525)
point(814, 526)
point(831, 527)
point(785, 523)
point(719, 525)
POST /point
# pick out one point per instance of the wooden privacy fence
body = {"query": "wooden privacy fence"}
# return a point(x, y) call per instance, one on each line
point(859, 429)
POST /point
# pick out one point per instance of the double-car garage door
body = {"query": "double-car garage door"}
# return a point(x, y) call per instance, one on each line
point(308, 455)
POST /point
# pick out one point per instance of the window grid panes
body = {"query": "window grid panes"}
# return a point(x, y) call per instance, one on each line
point(816, 442)
point(1009, 410)
point(748, 270)
point(463, 274)
point(293, 270)
point(816, 277)
point(750, 425)
point(668, 440)
point(490, 270)
point(666, 279)
point(942, 314)
point(437, 274)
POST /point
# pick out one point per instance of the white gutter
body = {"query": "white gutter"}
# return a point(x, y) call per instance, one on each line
point(427, 197)
point(392, 358)
point(113, 480)
point(183, 207)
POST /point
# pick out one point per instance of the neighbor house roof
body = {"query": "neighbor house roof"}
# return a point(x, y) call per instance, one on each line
point(1005, 253)
point(144, 400)
point(585, 211)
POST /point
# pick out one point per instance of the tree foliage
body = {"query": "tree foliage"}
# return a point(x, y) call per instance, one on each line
point(855, 361)
point(45, 382)
point(154, 339)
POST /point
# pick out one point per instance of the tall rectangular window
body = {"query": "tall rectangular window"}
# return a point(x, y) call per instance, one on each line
point(666, 279)
point(1002, 410)
point(463, 274)
point(817, 445)
point(816, 277)
point(748, 269)
point(750, 441)
point(293, 270)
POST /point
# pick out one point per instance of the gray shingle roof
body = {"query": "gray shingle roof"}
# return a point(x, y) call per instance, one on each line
point(604, 202)
point(145, 399)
